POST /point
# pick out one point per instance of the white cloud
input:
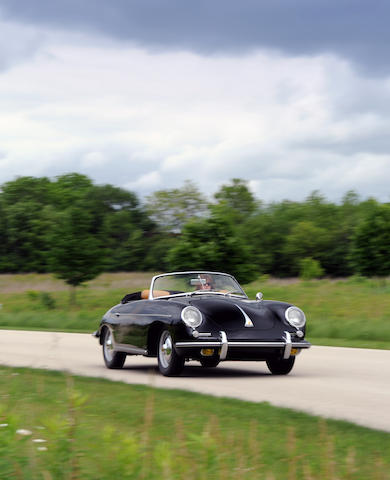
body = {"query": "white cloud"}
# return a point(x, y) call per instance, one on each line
point(147, 121)
point(151, 180)
point(93, 159)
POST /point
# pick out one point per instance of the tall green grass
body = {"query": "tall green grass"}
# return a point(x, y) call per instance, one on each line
point(355, 310)
point(96, 429)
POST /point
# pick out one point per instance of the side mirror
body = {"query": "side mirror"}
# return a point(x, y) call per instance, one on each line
point(259, 296)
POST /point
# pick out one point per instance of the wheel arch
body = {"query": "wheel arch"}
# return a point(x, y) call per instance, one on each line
point(102, 329)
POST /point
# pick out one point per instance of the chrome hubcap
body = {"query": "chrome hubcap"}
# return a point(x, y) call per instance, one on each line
point(165, 349)
point(108, 347)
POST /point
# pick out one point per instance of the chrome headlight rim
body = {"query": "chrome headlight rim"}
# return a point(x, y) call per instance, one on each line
point(294, 323)
point(192, 316)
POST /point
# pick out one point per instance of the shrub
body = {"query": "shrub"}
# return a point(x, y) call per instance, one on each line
point(310, 268)
point(32, 294)
point(47, 301)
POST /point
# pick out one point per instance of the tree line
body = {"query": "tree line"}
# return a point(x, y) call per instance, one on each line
point(77, 229)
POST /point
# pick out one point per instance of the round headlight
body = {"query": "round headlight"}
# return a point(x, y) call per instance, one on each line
point(295, 317)
point(191, 316)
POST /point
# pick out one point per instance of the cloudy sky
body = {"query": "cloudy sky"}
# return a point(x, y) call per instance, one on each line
point(293, 96)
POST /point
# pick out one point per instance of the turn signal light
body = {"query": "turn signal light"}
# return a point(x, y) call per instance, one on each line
point(207, 352)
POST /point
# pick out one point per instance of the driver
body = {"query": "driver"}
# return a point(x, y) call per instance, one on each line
point(205, 282)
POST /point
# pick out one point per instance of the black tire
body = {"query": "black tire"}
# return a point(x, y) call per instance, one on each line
point(169, 362)
point(280, 366)
point(209, 362)
point(112, 359)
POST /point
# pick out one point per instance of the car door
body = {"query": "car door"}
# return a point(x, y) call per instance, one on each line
point(131, 324)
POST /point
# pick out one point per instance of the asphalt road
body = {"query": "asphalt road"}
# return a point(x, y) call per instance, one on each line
point(342, 383)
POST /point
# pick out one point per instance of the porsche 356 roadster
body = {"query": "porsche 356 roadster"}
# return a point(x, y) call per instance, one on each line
point(204, 316)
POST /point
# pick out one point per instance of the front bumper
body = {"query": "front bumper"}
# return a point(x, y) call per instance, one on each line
point(223, 344)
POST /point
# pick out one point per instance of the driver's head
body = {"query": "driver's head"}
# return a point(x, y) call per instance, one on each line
point(206, 282)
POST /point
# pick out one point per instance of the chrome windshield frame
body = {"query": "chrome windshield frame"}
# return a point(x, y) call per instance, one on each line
point(184, 294)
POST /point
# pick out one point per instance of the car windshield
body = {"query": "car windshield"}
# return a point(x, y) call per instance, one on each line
point(195, 283)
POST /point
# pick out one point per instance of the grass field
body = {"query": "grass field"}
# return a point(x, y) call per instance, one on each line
point(53, 426)
point(347, 312)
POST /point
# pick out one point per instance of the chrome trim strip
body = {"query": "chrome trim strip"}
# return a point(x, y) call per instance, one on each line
point(229, 344)
point(120, 347)
point(197, 344)
point(300, 345)
point(142, 314)
point(224, 345)
point(287, 349)
point(256, 344)
point(248, 321)
point(241, 344)
point(268, 344)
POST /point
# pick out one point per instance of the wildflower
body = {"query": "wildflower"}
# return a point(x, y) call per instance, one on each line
point(23, 431)
point(39, 440)
point(42, 449)
point(2, 425)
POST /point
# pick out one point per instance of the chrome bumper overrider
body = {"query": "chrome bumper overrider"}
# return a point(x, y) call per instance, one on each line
point(224, 344)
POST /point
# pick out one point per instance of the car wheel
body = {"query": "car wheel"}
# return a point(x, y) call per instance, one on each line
point(209, 362)
point(112, 359)
point(169, 362)
point(280, 366)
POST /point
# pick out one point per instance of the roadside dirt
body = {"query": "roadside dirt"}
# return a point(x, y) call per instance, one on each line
point(44, 282)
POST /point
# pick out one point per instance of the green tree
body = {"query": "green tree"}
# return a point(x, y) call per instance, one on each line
point(124, 227)
point(237, 198)
point(75, 253)
point(158, 246)
point(127, 253)
point(171, 209)
point(3, 238)
point(263, 236)
point(212, 244)
point(26, 237)
point(371, 243)
point(116, 218)
point(28, 215)
point(24, 224)
point(305, 240)
point(27, 189)
point(69, 189)
point(310, 269)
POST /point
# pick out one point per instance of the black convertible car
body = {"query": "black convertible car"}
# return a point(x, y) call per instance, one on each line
point(203, 316)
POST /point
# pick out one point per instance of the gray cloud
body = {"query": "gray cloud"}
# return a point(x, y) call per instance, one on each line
point(118, 166)
point(355, 29)
point(17, 44)
point(375, 143)
point(147, 121)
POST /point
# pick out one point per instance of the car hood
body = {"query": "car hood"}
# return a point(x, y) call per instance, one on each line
point(231, 313)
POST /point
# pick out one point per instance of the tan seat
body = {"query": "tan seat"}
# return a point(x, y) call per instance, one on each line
point(156, 293)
